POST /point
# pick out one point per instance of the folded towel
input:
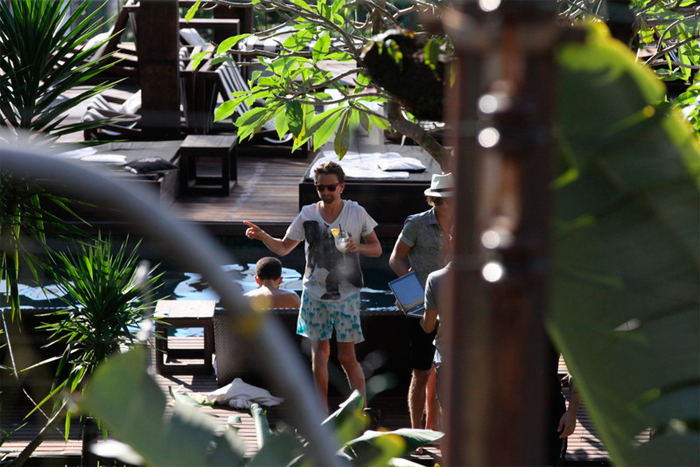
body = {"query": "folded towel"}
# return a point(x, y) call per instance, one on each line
point(78, 153)
point(404, 163)
point(241, 395)
point(105, 158)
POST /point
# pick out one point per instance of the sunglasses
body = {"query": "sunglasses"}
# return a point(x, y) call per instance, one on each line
point(331, 188)
point(438, 201)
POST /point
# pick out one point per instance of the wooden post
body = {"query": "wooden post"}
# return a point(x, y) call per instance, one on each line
point(159, 72)
point(496, 387)
point(243, 13)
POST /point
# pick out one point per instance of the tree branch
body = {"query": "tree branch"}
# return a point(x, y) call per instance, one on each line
point(414, 131)
point(664, 51)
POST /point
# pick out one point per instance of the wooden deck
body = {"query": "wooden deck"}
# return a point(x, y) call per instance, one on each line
point(393, 409)
point(267, 193)
point(267, 190)
point(584, 446)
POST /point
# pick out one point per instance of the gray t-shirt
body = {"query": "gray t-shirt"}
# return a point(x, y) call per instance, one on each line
point(433, 288)
point(330, 274)
point(424, 235)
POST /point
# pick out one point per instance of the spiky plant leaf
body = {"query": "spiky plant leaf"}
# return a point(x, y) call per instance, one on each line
point(44, 56)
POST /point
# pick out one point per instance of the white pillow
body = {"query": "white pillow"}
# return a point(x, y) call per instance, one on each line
point(94, 40)
point(132, 105)
point(191, 37)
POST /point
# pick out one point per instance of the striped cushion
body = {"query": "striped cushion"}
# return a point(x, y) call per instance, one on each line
point(273, 44)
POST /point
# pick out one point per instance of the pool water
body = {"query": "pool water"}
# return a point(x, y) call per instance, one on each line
point(177, 285)
point(375, 294)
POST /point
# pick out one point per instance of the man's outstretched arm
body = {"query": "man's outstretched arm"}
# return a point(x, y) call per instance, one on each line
point(279, 246)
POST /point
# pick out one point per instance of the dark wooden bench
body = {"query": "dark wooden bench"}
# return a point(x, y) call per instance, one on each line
point(184, 314)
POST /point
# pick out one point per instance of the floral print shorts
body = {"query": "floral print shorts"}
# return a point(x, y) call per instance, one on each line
point(318, 318)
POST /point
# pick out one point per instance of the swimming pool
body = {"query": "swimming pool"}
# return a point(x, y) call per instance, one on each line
point(183, 285)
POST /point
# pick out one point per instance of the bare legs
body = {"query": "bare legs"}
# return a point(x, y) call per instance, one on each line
point(432, 404)
point(353, 369)
point(422, 396)
point(320, 353)
point(416, 396)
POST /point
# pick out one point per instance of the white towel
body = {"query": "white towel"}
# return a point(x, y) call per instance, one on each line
point(105, 158)
point(403, 163)
point(78, 153)
point(241, 395)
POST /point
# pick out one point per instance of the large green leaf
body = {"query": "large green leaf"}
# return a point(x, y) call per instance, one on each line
point(626, 295)
point(377, 447)
point(281, 448)
point(348, 420)
point(126, 399)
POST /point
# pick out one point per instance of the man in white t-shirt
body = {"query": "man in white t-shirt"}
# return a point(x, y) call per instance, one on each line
point(330, 298)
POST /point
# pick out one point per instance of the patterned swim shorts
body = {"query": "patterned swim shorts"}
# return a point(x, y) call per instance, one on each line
point(318, 318)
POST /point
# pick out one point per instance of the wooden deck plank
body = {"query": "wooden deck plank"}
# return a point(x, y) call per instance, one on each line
point(267, 191)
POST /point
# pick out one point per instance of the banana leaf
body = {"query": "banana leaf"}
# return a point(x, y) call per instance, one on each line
point(625, 288)
point(348, 421)
point(379, 447)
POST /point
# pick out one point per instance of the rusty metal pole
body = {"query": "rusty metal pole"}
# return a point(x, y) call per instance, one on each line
point(159, 71)
point(502, 115)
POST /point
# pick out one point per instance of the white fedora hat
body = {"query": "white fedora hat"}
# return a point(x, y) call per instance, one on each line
point(441, 186)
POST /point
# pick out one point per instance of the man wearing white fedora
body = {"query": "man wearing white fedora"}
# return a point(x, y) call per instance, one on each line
point(422, 242)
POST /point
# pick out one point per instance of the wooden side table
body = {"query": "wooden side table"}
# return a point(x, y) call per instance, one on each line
point(184, 314)
point(194, 150)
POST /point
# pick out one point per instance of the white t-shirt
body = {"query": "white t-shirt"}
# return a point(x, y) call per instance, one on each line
point(330, 274)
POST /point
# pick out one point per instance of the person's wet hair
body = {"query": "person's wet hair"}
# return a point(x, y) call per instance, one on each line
point(268, 268)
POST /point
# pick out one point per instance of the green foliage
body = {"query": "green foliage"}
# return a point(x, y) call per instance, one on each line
point(128, 401)
point(44, 55)
point(106, 300)
point(665, 34)
point(626, 287)
point(295, 82)
point(689, 104)
point(192, 10)
point(130, 404)
point(671, 28)
point(22, 218)
point(108, 295)
point(667, 29)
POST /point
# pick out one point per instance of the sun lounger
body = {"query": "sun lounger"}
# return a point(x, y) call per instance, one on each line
point(210, 85)
point(120, 117)
point(123, 56)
